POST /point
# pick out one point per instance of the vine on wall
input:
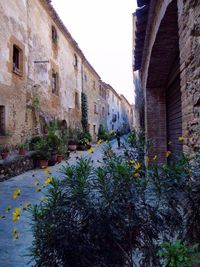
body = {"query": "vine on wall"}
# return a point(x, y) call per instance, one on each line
point(84, 109)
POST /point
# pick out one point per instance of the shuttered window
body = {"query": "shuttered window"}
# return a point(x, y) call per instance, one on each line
point(2, 120)
point(174, 117)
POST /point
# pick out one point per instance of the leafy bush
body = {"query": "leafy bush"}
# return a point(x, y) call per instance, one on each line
point(102, 134)
point(179, 254)
point(118, 214)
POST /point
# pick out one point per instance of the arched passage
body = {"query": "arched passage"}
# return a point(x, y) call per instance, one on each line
point(163, 97)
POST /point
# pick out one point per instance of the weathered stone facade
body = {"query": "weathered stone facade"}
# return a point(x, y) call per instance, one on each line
point(42, 73)
point(166, 53)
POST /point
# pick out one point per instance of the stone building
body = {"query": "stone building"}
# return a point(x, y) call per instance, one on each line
point(167, 56)
point(119, 111)
point(42, 72)
point(91, 85)
point(113, 115)
point(126, 115)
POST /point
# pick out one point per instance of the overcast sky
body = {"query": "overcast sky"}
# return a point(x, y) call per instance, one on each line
point(103, 30)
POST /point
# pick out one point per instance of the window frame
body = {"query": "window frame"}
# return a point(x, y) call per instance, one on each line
point(19, 58)
point(54, 81)
point(2, 121)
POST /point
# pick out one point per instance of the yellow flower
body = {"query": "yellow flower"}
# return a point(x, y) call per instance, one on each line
point(14, 230)
point(137, 174)
point(38, 190)
point(99, 142)
point(91, 150)
point(48, 180)
point(46, 171)
point(36, 183)
point(16, 236)
point(2, 216)
point(155, 157)
point(168, 153)
point(180, 138)
point(16, 193)
point(147, 160)
point(16, 215)
point(132, 161)
point(137, 166)
point(8, 208)
point(27, 205)
point(110, 153)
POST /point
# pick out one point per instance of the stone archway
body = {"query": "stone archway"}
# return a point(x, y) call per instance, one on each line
point(160, 105)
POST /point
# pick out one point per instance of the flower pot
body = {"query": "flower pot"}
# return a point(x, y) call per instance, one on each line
point(53, 159)
point(59, 158)
point(4, 155)
point(43, 163)
point(82, 147)
point(72, 147)
point(21, 151)
point(67, 154)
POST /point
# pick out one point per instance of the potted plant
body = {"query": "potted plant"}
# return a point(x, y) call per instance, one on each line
point(72, 145)
point(82, 144)
point(84, 140)
point(43, 152)
point(22, 149)
point(61, 152)
point(4, 150)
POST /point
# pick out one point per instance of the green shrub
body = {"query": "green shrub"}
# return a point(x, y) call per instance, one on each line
point(119, 213)
point(102, 134)
point(179, 254)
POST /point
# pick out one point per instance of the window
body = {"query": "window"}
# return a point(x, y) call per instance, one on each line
point(94, 129)
point(54, 35)
point(54, 82)
point(75, 61)
point(103, 111)
point(17, 60)
point(95, 108)
point(112, 98)
point(85, 77)
point(108, 110)
point(2, 120)
point(76, 100)
point(118, 115)
point(94, 85)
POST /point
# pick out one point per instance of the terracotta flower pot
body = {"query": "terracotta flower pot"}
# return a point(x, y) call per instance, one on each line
point(43, 163)
point(59, 158)
point(4, 155)
point(22, 151)
point(72, 147)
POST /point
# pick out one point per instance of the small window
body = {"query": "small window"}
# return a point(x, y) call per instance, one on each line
point(94, 129)
point(76, 100)
point(54, 82)
point(17, 60)
point(108, 110)
point(54, 35)
point(95, 108)
point(103, 111)
point(2, 120)
point(75, 61)
point(94, 85)
point(85, 77)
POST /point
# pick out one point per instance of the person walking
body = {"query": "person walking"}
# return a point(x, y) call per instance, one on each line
point(117, 134)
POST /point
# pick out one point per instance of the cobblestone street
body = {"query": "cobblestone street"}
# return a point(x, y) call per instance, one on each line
point(14, 253)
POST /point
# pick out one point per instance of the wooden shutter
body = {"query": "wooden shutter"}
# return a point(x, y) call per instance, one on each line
point(174, 116)
point(2, 120)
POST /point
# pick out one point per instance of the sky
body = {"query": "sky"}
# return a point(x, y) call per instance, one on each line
point(103, 31)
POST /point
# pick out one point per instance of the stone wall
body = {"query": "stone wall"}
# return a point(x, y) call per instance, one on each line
point(16, 165)
point(189, 31)
point(158, 54)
